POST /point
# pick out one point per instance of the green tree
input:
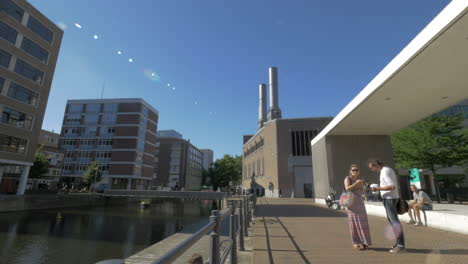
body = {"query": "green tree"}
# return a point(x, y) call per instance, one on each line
point(225, 170)
point(40, 165)
point(432, 143)
point(92, 173)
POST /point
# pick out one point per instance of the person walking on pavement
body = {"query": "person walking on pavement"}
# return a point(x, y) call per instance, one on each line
point(357, 215)
point(390, 196)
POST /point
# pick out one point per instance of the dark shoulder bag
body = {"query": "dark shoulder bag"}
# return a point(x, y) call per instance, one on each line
point(402, 206)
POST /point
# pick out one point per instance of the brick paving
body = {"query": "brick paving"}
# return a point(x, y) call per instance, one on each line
point(293, 231)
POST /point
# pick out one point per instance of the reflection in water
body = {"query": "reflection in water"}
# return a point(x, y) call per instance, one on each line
point(87, 235)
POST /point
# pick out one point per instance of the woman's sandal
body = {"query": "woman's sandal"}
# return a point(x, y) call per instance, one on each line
point(364, 247)
point(357, 246)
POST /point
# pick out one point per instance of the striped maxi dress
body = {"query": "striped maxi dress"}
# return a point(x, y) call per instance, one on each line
point(357, 218)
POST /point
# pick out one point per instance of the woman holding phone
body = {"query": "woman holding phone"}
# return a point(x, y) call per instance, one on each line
point(357, 215)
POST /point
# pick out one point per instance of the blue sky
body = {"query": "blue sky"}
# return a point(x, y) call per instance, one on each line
point(216, 52)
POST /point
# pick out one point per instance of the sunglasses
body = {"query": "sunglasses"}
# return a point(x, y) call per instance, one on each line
point(355, 170)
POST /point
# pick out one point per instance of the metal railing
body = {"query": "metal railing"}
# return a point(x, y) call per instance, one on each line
point(240, 212)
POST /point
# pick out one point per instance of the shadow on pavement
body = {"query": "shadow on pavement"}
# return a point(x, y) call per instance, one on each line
point(293, 210)
point(298, 249)
point(428, 251)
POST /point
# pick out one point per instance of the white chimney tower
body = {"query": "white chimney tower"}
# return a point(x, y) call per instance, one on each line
point(275, 111)
point(262, 105)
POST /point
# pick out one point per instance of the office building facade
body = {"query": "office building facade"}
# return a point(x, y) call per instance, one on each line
point(29, 47)
point(179, 164)
point(49, 144)
point(119, 134)
point(207, 158)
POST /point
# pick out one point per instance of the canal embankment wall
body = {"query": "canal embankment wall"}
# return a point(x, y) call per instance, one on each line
point(15, 203)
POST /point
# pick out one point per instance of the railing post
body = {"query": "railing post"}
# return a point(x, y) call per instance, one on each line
point(247, 200)
point(241, 226)
point(233, 235)
point(246, 231)
point(214, 238)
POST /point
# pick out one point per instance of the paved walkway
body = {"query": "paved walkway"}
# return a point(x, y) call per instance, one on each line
point(456, 208)
point(298, 231)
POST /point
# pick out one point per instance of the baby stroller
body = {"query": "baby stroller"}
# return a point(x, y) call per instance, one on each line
point(331, 200)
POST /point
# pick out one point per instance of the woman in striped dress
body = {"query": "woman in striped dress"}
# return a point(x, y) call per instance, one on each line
point(357, 215)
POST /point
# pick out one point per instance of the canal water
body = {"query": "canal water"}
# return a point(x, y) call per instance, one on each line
point(88, 235)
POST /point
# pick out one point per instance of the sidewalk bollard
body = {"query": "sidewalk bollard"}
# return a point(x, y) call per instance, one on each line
point(214, 238)
point(232, 230)
point(241, 226)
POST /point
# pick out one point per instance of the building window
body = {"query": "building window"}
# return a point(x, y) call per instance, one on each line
point(85, 154)
point(72, 130)
point(300, 142)
point(88, 142)
point(110, 130)
point(2, 81)
point(81, 167)
point(91, 118)
point(251, 149)
point(75, 108)
point(106, 155)
point(4, 58)
point(105, 142)
point(73, 120)
point(22, 94)
point(8, 33)
point(70, 142)
point(110, 108)
point(35, 50)
point(28, 71)
point(15, 118)
point(41, 30)
point(12, 9)
point(90, 131)
point(104, 167)
point(12, 144)
point(93, 108)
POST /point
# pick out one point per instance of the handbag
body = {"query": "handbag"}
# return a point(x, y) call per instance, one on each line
point(402, 206)
point(347, 199)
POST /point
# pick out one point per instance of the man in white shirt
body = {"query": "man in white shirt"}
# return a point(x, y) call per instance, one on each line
point(390, 196)
point(421, 201)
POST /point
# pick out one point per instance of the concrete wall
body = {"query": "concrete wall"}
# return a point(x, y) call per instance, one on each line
point(320, 168)
point(13, 203)
point(332, 156)
point(168, 194)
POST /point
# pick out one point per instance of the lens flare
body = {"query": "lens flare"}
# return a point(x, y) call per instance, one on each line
point(130, 60)
point(435, 257)
point(62, 25)
point(95, 37)
point(168, 85)
point(78, 25)
point(173, 88)
point(392, 231)
point(196, 102)
point(150, 74)
point(119, 52)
